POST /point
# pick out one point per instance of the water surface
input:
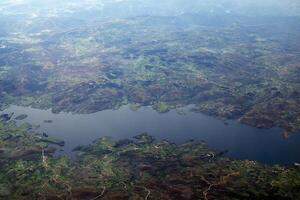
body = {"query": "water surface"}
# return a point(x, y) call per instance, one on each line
point(241, 141)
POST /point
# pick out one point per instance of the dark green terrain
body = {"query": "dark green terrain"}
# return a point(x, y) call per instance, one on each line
point(133, 169)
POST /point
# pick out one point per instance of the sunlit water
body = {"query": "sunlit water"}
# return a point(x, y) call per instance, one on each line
point(241, 141)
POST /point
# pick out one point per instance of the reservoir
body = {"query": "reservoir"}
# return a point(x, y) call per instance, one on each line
point(241, 141)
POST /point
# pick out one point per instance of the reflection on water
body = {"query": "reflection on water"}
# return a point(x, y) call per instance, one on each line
point(241, 141)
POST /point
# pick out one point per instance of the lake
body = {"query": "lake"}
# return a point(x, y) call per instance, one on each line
point(241, 141)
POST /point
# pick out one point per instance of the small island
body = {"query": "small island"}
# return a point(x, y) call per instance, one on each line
point(48, 121)
point(21, 117)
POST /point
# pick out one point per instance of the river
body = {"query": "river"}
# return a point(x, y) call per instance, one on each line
point(241, 141)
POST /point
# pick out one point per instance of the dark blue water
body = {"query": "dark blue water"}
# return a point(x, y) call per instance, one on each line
point(241, 141)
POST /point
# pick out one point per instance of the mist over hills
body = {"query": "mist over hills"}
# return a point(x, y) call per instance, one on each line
point(114, 8)
point(25, 15)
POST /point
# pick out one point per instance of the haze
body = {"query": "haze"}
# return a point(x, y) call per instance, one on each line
point(149, 99)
